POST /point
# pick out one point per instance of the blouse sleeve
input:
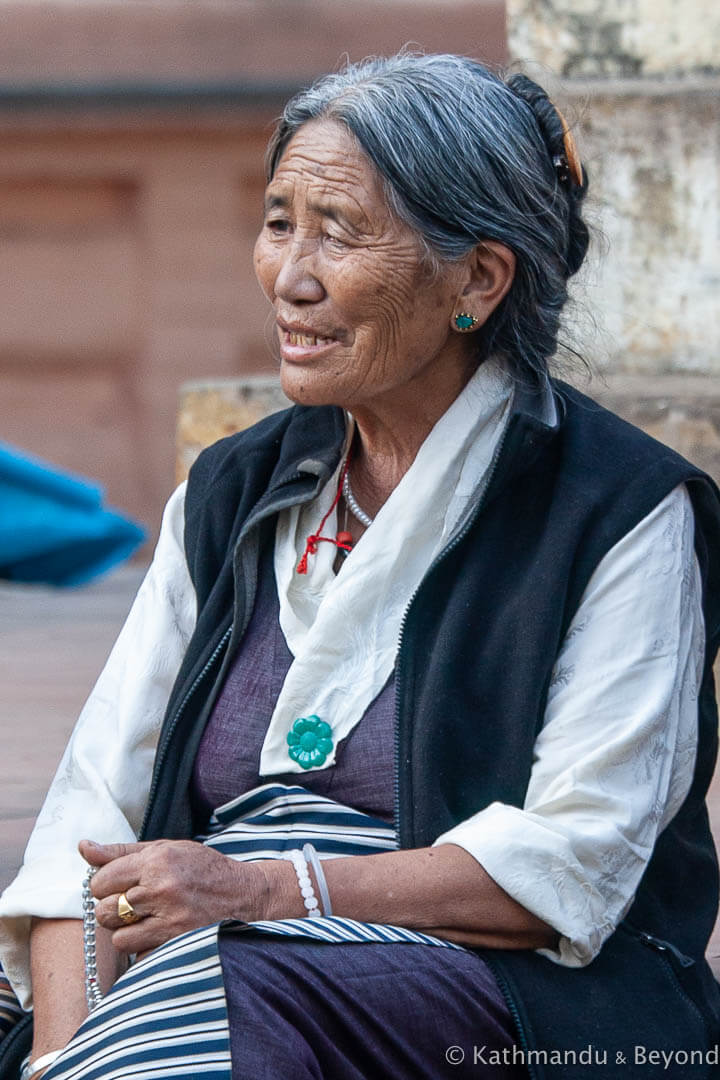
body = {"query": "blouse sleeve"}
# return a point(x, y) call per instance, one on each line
point(102, 783)
point(615, 758)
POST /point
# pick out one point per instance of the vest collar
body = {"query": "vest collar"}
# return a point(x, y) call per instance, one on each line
point(315, 436)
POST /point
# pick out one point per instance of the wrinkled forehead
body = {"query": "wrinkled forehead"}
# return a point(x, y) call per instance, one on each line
point(323, 155)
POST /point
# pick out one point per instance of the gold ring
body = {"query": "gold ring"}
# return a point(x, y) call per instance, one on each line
point(126, 911)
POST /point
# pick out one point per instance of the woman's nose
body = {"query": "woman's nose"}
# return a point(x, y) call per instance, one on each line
point(296, 281)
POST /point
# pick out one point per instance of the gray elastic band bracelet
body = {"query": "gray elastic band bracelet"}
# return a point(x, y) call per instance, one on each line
point(314, 860)
point(30, 1068)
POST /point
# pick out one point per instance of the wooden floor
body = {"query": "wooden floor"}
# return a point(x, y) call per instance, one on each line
point(52, 646)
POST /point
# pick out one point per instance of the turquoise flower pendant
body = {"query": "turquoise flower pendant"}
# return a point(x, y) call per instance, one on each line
point(309, 741)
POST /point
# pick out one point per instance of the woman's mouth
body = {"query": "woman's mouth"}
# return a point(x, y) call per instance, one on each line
point(300, 345)
point(307, 339)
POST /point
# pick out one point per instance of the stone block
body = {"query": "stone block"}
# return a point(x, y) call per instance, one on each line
point(606, 38)
point(681, 411)
point(209, 409)
point(649, 290)
point(644, 99)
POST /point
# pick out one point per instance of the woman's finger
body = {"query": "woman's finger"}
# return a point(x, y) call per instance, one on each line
point(101, 854)
point(107, 911)
point(121, 865)
point(143, 936)
point(116, 878)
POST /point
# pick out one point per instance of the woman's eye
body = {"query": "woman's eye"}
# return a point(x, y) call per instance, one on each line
point(278, 225)
point(337, 241)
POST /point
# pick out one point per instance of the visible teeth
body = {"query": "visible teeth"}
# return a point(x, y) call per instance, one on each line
point(306, 339)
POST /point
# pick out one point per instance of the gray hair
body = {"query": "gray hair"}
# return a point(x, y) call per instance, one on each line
point(466, 157)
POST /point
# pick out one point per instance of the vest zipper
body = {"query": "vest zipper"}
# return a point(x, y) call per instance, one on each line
point(452, 543)
point(162, 749)
point(513, 1010)
point(661, 946)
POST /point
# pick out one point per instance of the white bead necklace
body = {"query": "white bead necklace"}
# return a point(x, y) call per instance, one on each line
point(355, 510)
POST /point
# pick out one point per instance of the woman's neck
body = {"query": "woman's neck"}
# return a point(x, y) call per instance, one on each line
point(387, 440)
point(380, 458)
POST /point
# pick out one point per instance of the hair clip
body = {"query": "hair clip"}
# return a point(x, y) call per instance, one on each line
point(570, 161)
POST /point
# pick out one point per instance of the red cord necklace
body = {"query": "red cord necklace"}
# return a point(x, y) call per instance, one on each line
point(342, 540)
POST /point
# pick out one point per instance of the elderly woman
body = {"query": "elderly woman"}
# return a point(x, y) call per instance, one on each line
point(426, 658)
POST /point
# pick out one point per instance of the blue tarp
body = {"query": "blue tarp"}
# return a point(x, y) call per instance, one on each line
point(54, 528)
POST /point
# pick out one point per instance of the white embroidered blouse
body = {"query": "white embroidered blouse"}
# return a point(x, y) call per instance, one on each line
point(612, 765)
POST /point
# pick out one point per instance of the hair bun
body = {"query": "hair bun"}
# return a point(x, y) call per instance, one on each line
point(563, 153)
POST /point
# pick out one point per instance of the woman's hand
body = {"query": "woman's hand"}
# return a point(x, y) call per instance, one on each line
point(174, 886)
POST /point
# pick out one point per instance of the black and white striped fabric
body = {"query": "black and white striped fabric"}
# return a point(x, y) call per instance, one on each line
point(10, 1011)
point(167, 1017)
point(274, 819)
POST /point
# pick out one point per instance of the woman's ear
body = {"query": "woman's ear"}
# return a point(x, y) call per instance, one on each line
point(490, 273)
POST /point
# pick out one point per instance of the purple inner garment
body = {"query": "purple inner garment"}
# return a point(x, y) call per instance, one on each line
point(228, 758)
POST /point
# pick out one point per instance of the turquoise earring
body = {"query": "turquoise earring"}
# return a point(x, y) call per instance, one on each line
point(465, 323)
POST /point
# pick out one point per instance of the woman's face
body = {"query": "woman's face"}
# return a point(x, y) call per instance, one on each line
point(358, 316)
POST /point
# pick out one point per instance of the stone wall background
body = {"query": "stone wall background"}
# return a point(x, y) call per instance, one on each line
point(639, 80)
point(653, 155)
point(617, 38)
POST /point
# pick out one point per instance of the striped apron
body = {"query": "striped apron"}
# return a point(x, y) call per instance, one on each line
point(167, 1016)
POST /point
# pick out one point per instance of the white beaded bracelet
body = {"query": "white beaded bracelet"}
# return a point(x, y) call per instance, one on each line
point(309, 898)
point(314, 860)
